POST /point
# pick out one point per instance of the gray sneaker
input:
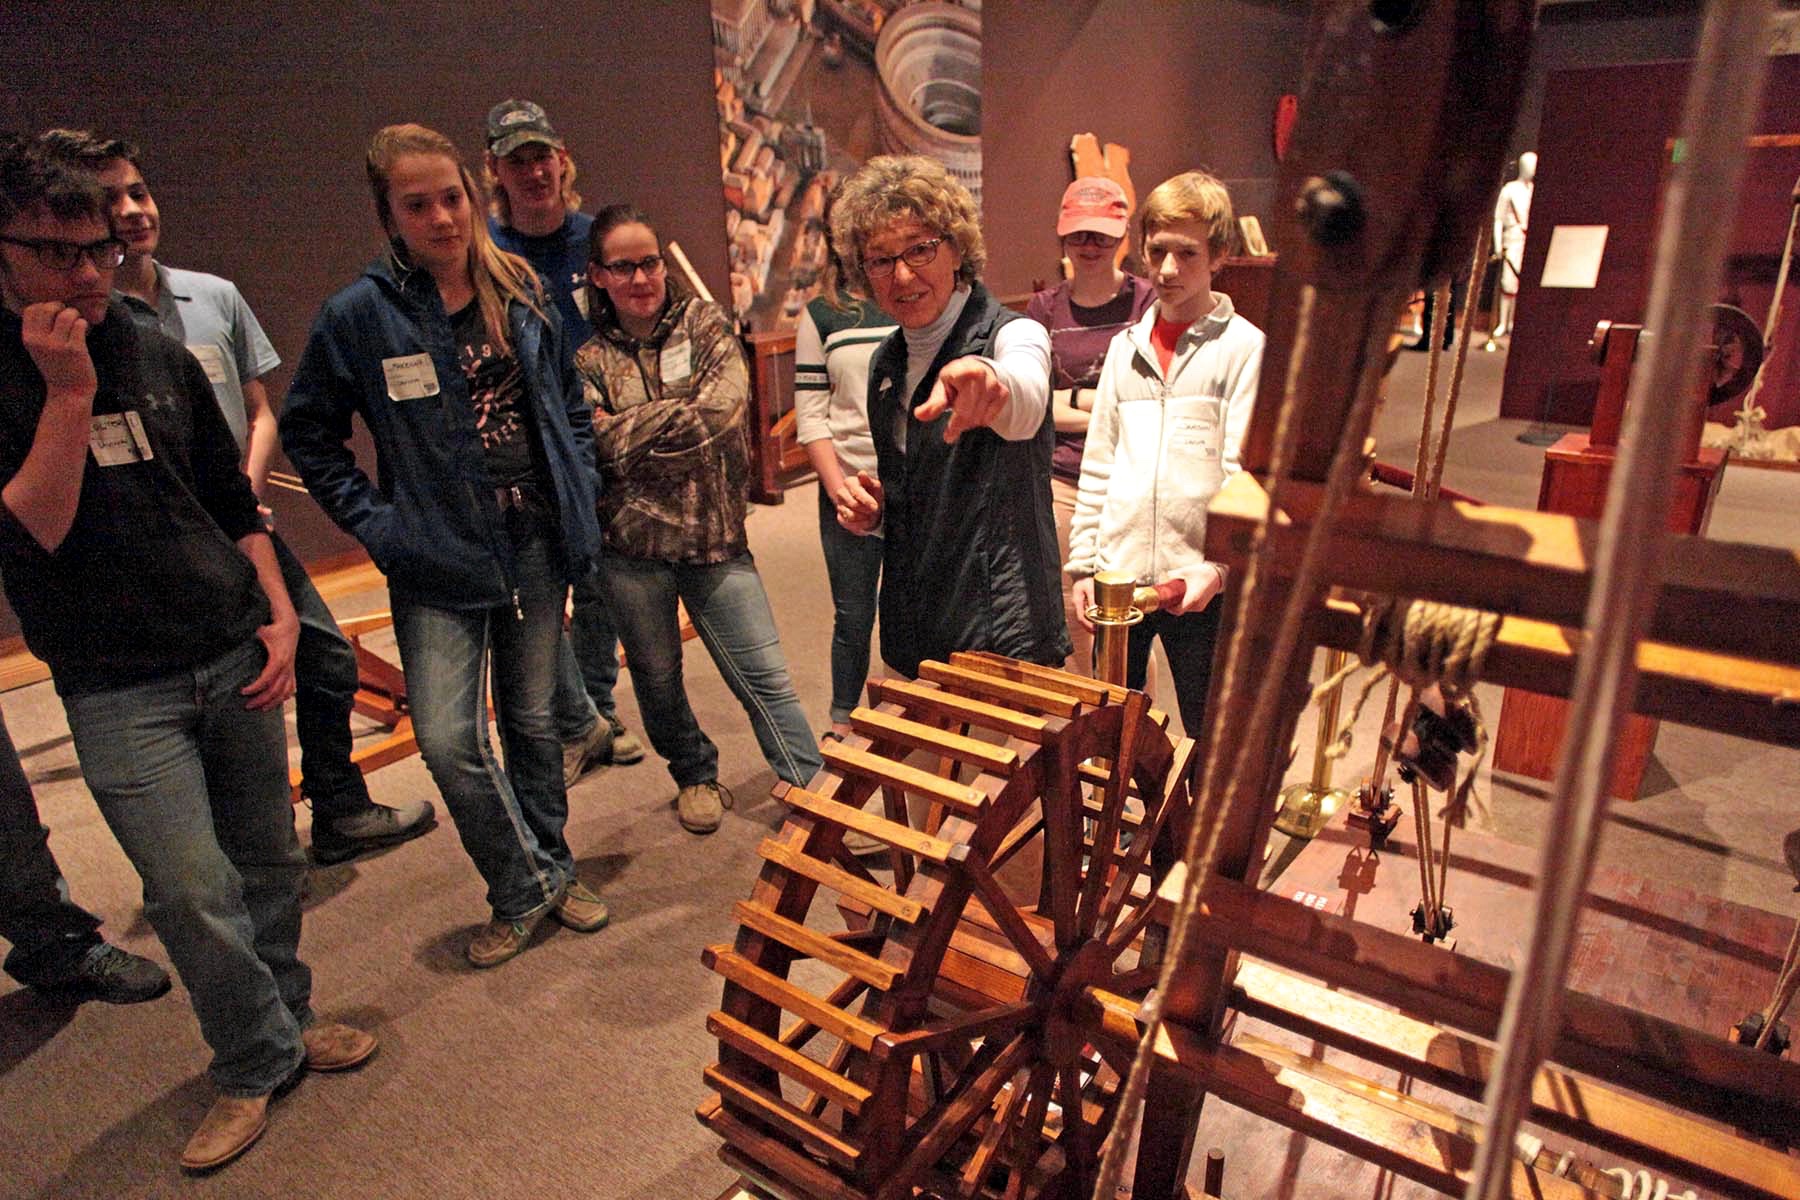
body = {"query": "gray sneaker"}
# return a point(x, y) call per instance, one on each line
point(376, 826)
point(701, 806)
point(106, 973)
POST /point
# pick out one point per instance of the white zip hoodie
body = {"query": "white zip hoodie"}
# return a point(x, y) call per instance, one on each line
point(1160, 447)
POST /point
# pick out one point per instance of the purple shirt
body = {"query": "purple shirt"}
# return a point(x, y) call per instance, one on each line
point(1079, 336)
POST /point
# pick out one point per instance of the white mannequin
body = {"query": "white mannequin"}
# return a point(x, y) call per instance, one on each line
point(1511, 215)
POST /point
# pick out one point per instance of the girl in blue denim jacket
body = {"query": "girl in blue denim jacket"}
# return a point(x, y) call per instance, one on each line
point(481, 515)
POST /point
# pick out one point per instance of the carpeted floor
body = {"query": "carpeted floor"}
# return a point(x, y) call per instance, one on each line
point(574, 1070)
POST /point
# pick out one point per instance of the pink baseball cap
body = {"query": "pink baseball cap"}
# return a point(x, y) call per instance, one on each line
point(1094, 203)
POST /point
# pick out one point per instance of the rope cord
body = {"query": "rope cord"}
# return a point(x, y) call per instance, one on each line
point(1787, 983)
point(1423, 644)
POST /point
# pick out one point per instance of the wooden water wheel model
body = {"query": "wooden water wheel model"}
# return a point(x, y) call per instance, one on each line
point(948, 1043)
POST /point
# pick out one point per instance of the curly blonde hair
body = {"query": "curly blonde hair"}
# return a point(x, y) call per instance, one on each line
point(1189, 196)
point(891, 187)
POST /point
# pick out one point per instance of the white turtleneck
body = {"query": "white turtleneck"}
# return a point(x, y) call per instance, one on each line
point(1021, 361)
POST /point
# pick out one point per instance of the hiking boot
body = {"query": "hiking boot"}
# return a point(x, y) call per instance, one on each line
point(500, 940)
point(108, 974)
point(579, 909)
point(585, 751)
point(626, 749)
point(376, 826)
point(334, 1047)
point(229, 1128)
point(701, 806)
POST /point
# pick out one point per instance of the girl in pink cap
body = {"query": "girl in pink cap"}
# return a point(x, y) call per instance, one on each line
point(1083, 313)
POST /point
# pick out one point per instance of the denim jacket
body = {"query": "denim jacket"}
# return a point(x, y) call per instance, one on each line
point(430, 520)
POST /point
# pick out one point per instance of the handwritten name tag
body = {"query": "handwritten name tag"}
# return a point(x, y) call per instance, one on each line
point(211, 360)
point(677, 361)
point(410, 377)
point(118, 438)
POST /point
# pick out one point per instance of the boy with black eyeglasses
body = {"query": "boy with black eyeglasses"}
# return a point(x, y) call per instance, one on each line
point(132, 552)
point(208, 315)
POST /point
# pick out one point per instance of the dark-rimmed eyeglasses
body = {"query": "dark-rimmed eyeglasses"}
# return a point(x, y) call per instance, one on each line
point(1089, 237)
point(917, 255)
point(624, 270)
point(106, 254)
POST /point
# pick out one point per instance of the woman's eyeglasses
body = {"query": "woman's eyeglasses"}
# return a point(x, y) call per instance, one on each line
point(1087, 237)
point(106, 254)
point(915, 256)
point(624, 270)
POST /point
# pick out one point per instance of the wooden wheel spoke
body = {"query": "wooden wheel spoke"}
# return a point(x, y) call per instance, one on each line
point(997, 1134)
point(1062, 847)
point(1142, 846)
point(1017, 839)
point(1106, 829)
point(1022, 1152)
point(950, 1118)
point(1000, 906)
point(1076, 1135)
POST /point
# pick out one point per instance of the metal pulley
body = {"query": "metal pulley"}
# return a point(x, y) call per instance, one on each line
point(1736, 354)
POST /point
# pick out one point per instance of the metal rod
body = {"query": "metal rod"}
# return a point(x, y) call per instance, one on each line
point(1328, 720)
point(1723, 97)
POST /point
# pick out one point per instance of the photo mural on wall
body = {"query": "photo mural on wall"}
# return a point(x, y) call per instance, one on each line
point(807, 91)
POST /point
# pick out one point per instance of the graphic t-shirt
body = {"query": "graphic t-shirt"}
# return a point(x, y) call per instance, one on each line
point(497, 394)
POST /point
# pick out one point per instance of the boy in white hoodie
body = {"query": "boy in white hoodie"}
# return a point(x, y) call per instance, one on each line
point(1169, 418)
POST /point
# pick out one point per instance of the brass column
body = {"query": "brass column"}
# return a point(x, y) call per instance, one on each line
point(1307, 807)
point(1113, 616)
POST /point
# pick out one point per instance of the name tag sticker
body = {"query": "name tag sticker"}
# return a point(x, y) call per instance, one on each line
point(1197, 436)
point(677, 362)
point(410, 377)
point(210, 359)
point(118, 438)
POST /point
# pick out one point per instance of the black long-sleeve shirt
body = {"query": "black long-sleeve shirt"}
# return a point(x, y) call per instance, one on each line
point(149, 579)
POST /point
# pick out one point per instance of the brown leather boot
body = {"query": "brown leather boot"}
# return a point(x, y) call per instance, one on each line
point(229, 1128)
point(334, 1047)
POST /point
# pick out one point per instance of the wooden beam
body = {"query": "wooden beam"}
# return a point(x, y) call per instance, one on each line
point(1724, 597)
point(1706, 690)
point(1682, 1067)
point(1652, 1134)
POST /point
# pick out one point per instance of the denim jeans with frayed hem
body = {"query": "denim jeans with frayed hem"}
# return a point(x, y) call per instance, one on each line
point(195, 787)
point(853, 564)
point(510, 821)
point(731, 613)
point(50, 934)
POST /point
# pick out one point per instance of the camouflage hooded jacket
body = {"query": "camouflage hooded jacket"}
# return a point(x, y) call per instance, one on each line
point(669, 434)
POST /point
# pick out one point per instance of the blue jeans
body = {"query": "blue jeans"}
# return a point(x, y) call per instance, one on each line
point(194, 786)
point(593, 662)
point(573, 713)
point(730, 611)
point(510, 821)
point(325, 682)
point(48, 932)
point(853, 564)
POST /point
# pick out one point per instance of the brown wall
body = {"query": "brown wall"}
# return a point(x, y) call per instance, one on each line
point(1181, 85)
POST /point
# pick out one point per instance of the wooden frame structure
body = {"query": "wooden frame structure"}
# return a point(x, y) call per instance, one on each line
point(1405, 111)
